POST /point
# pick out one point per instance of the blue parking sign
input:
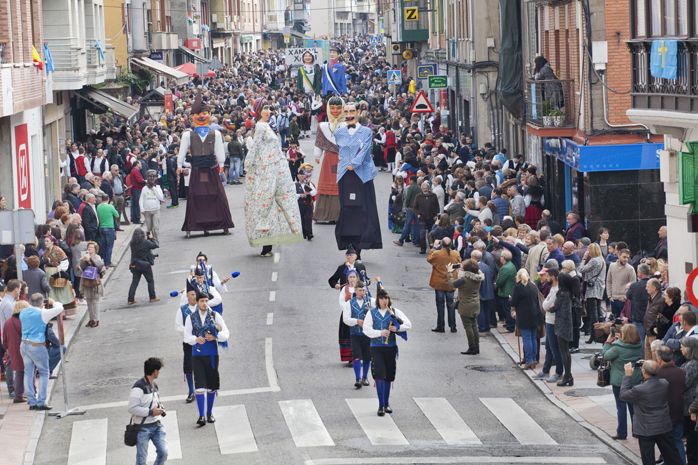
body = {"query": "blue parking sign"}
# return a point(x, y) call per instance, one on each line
point(394, 77)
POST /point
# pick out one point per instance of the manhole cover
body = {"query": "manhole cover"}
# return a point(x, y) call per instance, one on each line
point(116, 381)
point(487, 369)
point(587, 392)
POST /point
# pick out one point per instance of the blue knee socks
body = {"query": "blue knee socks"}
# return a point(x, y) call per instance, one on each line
point(210, 398)
point(380, 390)
point(366, 367)
point(200, 400)
point(190, 382)
point(386, 393)
point(357, 368)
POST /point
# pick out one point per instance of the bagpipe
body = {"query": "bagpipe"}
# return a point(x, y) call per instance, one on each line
point(395, 321)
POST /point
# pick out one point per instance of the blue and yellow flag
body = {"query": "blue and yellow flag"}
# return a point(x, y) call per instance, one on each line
point(664, 59)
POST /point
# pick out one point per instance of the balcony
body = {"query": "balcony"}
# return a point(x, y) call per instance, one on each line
point(96, 63)
point(164, 41)
point(550, 107)
point(69, 63)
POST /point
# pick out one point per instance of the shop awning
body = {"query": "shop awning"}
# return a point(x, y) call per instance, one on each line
point(159, 68)
point(598, 158)
point(192, 54)
point(109, 102)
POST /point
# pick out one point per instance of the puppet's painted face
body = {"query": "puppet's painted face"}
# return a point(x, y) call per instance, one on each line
point(350, 114)
point(335, 110)
point(308, 58)
point(334, 55)
point(201, 119)
point(266, 113)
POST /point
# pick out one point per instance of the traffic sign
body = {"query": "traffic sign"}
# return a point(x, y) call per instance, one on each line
point(438, 82)
point(411, 13)
point(422, 104)
point(394, 77)
point(424, 71)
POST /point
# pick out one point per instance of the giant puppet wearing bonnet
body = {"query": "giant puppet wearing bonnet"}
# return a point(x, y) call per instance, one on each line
point(202, 147)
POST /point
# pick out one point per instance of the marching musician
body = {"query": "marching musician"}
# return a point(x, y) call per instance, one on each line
point(212, 280)
point(340, 278)
point(183, 312)
point(353, 314)
point(204, 329)
point(199, 283)
point(381, 324)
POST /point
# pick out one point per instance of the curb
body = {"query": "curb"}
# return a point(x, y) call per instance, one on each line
point(38, 426)
point(624, 453)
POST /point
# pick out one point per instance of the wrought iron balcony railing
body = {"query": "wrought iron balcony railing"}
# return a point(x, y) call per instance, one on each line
point(550, 103)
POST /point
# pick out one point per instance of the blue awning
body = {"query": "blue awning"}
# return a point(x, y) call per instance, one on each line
point(596, 158)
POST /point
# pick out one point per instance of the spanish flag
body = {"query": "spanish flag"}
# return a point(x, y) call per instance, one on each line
point(36, 58)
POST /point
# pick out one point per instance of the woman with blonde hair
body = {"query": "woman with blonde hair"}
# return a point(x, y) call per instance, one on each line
point(525, 308)
point(593, 271)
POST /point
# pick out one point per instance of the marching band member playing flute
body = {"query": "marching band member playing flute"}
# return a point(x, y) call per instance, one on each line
point(204, 329)
point(382, 324)
point(183, 312)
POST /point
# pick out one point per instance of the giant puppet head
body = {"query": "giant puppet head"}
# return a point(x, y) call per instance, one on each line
point(335, 111)
point(350, 113)
point(200, 115)
point(261, 110)
point(334, 54)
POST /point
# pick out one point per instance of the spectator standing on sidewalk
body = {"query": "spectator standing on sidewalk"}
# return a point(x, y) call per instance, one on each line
point(593, 271)
point(552, 351)
point(235, 153)
point(91, 288)
point(150, 200)
point(108, 217)
point(11, 341)
point(119, 189)
point(677, 380)
point(525, 308)
point(135, 182)
point(426, 208)
point(439, 258)
point(655, 304)
point(411, 227)
point(689, 349)
point(504, 283)
point(637, 293)
point(33, 348)
point(142, 261)
point(146, 411)
point(620, 275)
point(651, 421)
point(468, 280)
point(487, 294)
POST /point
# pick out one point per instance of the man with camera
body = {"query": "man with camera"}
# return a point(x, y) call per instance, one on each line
point(651, 421)
point(439, 258)
point(146, 411)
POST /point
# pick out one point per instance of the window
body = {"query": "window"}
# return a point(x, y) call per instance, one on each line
point(656, 9)
point(662, 18)
point(640, 18)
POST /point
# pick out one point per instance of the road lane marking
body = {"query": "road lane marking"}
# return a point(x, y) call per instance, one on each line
point(274, 276)
point(269, 362)
point(446, 420)
point(272, 296)
point(88, 443)
point(277, 257)
point(448, 460)
point(381, 431)
point(270, 319)
point(517, 421)
point(233, 430)
point(305, 424)
point(174, 445)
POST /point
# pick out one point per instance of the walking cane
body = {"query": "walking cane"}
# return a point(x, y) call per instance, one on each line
point(518, 343)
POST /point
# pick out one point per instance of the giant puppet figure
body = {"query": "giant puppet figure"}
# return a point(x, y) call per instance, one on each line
point(358, 223)
point(207, 205)
point(327, 205)
point(309, 77)
point(334, 79)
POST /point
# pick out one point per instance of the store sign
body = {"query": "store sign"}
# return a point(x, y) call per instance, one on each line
point(424, 71)
point(157, 56)
point(438, 82)
point(24, 198)
point(193, 44)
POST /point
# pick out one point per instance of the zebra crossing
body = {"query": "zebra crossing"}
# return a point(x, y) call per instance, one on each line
point(235, 435)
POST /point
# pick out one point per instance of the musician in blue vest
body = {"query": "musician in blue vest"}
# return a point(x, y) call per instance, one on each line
point(353, 314)
point(204, 329)
point(183, 312)
point(212, 281)
point(382, 324)
point(334, 79)
point(201, 285)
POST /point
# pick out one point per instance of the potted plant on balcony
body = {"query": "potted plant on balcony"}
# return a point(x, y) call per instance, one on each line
point(546, 110)
point(558, 117)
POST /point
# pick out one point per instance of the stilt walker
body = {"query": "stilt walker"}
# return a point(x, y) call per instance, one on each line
point(204, 330)
point(181, 316)
point(382, 324)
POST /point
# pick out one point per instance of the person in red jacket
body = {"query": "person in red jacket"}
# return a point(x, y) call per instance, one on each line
point(390, 148)
point(135, 182)
point(11, 340)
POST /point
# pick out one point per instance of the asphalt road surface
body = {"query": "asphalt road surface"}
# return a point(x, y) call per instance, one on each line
point(285, 397)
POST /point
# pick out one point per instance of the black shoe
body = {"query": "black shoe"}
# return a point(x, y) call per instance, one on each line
point(210, 419)
point(357, 384)
point(381, 411)
point(574, 350)
point(32, 407)
point(471, 352)
point(43, 407)
point(590, 341)
point(422, 252)
point(206, 233)
point(388, 409)
point(201, 421)
point(437, 330)
point(619, 438)
point(454, 330)
point(190, 398)
point(566, 382)
point(365, 382)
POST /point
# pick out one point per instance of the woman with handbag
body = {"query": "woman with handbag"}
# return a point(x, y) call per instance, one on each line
point(56, 266)
point(593, 271)
point(91, 267)
point(563, 324)
point(525, 309)
point(618, 351)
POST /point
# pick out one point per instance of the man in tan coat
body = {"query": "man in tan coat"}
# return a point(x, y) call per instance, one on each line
point(439, 257)
point(620, 275)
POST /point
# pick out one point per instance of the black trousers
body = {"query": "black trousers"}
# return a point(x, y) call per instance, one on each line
point(576, 326)
point(174, 189)
point(384, 363)
point(689, 432)
point(147, 273)
point(564, 346)
point(306, 219)
point(186, 361)
point(361, 347)
point(592, 314)
point(666, 446)
point(206, 374)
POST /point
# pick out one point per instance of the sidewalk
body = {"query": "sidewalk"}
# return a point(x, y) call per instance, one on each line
point(20, 427)
point(591, 406)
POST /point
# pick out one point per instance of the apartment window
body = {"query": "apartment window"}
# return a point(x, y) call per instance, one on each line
point(661, 18)
point(640, 18)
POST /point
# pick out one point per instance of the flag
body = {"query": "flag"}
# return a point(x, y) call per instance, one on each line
point(100, 49)
point(36, 58)
point(49, 59)
point(664, 59)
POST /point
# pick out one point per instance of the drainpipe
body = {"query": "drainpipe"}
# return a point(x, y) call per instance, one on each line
point(473, 82)
point(605, 110)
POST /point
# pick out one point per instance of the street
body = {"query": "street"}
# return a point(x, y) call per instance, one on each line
point(285, 397)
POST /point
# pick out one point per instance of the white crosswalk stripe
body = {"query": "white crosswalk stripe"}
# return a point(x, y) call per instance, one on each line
point(233, 430)
point(517, 421)
point(381, 431)
point(305, 424)
point(446, 420)
point(174, 446)
point(88, 443)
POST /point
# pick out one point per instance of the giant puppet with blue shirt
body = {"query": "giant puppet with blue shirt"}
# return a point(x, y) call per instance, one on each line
point(202, 147)
point(334, 78)
point(358, 224)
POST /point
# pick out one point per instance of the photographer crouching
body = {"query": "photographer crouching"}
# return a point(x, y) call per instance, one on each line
point(146, 410)
point(651, 421)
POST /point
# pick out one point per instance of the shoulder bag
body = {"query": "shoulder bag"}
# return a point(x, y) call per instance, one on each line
point(603, 374)
point(131, 432)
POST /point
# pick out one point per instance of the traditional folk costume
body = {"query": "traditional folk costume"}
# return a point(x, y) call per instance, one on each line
point(205, 356)
point(340, 277)
point(180, 318)
point(384, 350)
point(213, 284)
point(306, 191)
point(327, 207)
point(271, 210)
point(353, 310)
point(309, 78)
point(207, 204)
point(334, 79)
point(358, 223)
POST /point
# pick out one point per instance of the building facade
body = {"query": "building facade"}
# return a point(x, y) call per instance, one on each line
point(336, 18)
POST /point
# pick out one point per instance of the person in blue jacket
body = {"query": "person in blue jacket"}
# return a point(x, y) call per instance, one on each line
point(334, 79)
